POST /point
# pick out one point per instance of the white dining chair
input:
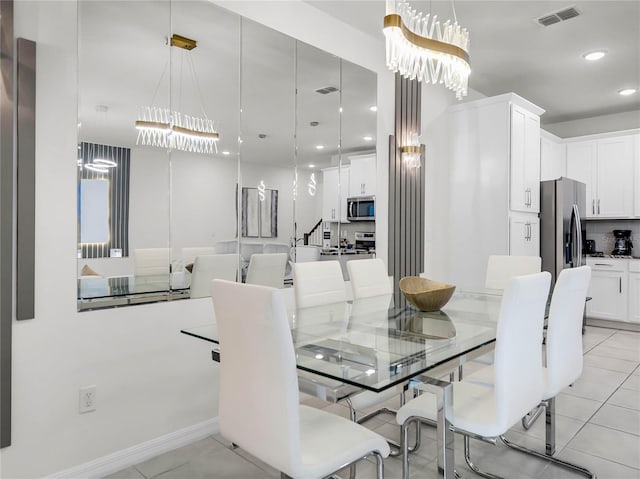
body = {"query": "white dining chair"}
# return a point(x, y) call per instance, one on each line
point(151, 261)
point(213, 266)
point(501, 268)
point(318, 282)
point(258, 362)
point(564, 356)
point(189, 253)
point(321, 283)
point(267, 269)
point(369, 278)
point(305, 253)
point(488, 410)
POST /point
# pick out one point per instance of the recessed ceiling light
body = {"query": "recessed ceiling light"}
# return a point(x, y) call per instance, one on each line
point(593, 56)
point(225, 152)
point(319, 147)
point(373, 108)
point(312, 166)
point(627, 91)
point(367, 138)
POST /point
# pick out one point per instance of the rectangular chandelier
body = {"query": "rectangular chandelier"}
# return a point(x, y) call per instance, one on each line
point(166, 129)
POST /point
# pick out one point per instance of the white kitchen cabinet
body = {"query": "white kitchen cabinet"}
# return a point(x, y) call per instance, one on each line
point(468, 182)
point(362, 175)
point(636, 162)
point(335, 191)
point(553, 157)
point(634, 290)
point(606, 166)
point(525, 160)
point(608, 289)
point(524, 235)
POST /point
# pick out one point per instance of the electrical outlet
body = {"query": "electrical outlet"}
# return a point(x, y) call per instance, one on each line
point(87, 399)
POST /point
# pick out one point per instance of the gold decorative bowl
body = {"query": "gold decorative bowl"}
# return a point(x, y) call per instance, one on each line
point(425, 294)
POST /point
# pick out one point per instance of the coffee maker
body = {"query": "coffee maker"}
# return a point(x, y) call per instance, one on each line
point(623, 244)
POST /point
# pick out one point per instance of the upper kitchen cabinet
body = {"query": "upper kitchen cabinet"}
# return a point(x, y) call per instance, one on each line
point(606, 166)
point(525, 159)
point(553, 157)
point(362, 175)
point(335, 184)
point(636, 162)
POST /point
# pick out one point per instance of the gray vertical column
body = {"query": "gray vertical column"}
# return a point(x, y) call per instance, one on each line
point(26, 179)
point(6, 215)
point(406, 188)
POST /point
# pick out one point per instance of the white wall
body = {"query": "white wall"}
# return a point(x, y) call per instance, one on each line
point(435, 101)
point(150, 379)
point(597, 124)
point(203, 197)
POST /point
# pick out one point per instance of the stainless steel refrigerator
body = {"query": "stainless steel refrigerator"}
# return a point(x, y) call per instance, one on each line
point(562, 208)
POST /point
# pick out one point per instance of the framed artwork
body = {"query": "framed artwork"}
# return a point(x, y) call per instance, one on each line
point(259, 212)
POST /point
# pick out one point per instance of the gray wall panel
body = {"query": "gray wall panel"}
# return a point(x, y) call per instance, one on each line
point(6, 215)
point(406, 189)
point(26, 179)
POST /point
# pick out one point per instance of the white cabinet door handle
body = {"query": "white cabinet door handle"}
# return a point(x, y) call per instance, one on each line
point(593, 207)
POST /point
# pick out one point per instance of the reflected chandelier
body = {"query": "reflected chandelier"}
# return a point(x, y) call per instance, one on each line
point(420, 47)
point(164, 128)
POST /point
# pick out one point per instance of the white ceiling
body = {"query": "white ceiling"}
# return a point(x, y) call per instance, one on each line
point(510, 52)
point(122, 56)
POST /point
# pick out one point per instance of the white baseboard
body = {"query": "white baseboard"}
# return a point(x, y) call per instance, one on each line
point(117, 461)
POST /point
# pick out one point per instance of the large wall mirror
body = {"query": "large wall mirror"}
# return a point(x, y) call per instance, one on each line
point(296, 139)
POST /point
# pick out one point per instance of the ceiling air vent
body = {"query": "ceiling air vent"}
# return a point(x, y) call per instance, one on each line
point(326, 90)
point(558, 16)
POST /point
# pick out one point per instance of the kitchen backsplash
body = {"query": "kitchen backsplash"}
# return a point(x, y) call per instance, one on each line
point(602, 232)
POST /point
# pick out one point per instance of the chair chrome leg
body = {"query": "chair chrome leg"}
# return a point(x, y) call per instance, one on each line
point(529, 419)
point(554, 460)
point(404, 440)
point(550, 426)
point(379, 465)
point(472, 466)
point(395, 451)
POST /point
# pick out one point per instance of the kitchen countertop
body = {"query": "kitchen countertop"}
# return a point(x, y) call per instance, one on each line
point(334, 251)
point(609, 256)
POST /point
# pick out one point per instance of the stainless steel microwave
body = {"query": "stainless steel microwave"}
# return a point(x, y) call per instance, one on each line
point(361, 208)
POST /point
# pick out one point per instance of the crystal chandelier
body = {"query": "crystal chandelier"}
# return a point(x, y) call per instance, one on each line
point(420, 47)
point(164, 128)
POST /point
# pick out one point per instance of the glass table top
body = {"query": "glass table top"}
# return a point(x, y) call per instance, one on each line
point(91, 287)
point(373, 344)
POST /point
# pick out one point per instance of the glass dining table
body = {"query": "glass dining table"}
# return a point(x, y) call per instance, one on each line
point(372, 344)
point(95, 292)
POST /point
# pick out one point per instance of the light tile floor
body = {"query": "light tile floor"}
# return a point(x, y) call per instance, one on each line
point(598, 426)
